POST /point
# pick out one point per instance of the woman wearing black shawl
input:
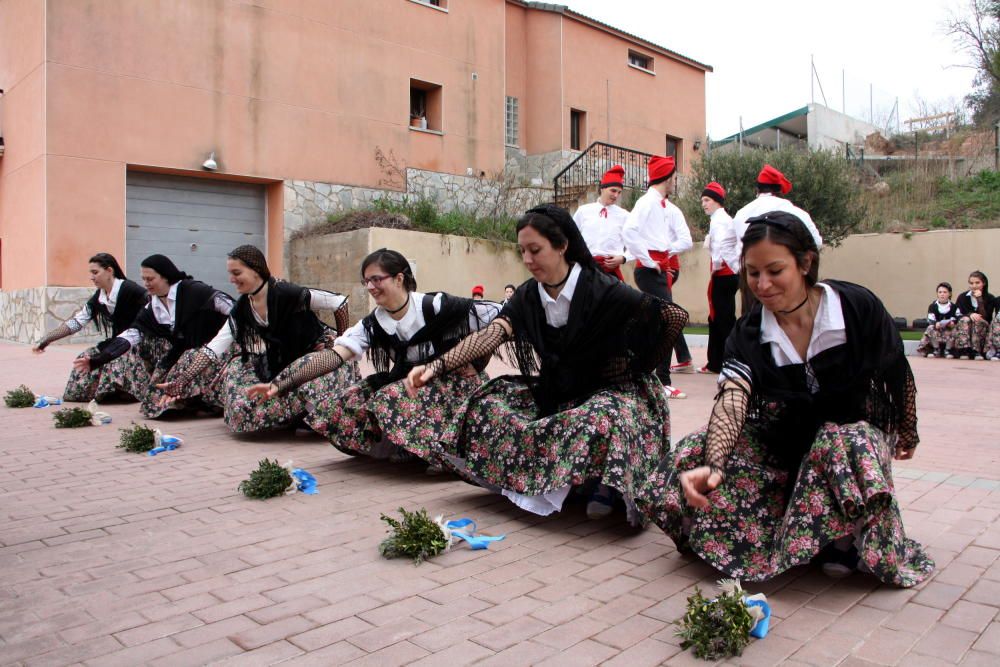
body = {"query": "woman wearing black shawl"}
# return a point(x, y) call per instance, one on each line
point(976, 309)
point(586, 407)
point(112, 308)
point(375, 417)
point(796, 460)
point(275, 328)
point(182, 315)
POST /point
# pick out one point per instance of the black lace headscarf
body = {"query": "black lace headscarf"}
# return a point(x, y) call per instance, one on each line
point(166, 268)
point(254, 259)
point(614, 332)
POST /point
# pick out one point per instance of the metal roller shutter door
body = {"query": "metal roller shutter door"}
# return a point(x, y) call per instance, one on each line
point(195, 222)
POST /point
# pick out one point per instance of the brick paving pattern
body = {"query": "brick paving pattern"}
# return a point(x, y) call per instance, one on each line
point(109, 558)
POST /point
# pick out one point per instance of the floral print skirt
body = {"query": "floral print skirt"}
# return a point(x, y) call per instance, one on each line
point(934, 340)
point(246, 415)
point(616, 436)
point(126, 376)
point(993, 345)
point(357, 420)
point(971, 337)
point(760, 524)
point(204, 388)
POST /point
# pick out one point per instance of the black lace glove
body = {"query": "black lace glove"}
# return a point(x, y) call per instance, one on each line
point(318, 364)
point(729, 414)
point(114, 349)
point(61, 331)
point(471, 348)
point(202, 361)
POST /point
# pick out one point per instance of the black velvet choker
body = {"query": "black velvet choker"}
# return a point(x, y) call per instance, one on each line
point(789, 312)
point(561, 282)
point(393, 312)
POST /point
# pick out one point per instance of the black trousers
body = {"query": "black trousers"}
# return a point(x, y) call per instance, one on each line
point(724, 290)
point(654, 282)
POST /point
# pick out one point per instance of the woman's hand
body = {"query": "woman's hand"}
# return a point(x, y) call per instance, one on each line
point(82, 364)
point(38, 349)
point(263, 390)
point(418, 377)
point(975, 317)
point(697, 483)
point(903, 454)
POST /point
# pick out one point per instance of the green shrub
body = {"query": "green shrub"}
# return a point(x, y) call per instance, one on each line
point(417, 536)
point(823, 183)
point(72, 418)
point(22, 397)
point(268, 480)
point(715, 629)
point(137, 439)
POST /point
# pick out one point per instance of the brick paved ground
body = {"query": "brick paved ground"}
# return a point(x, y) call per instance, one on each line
point(108, 558)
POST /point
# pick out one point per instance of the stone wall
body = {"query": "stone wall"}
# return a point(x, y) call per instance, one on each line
point(27, 314)
point(543, 166)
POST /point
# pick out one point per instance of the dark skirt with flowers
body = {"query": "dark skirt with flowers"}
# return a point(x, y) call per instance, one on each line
point(357, 420)
point(993, 345)
point(247, 415)
point(971, 337)
point(617, 435)
point(125, 377)
point(202, 391)
point(762, 521)
point(934, 340)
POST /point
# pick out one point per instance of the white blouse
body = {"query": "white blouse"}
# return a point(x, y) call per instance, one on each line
point(356, 339)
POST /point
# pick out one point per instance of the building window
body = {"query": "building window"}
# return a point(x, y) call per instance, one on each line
point(673, 150)
point(512, 117)
point(440, 4)
point(577, 129)
point(642, 61)
point(425, 105)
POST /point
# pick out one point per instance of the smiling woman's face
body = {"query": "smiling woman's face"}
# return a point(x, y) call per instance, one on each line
point(774, 277)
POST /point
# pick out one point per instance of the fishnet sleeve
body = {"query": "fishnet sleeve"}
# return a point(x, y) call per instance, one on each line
point(202, 361)
point(474, 346)
point(59, 332)
point(908, 438)
point(726, 423)
point(317, 364)
point(342, 318)
point(654, 340)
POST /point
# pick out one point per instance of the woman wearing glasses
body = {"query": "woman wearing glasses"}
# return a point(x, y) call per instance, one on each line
point(375, 417)
point(274, 327)
point(815, 400)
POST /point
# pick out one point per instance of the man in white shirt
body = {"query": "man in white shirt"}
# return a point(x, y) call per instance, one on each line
point(601, 224)
point(723, 246)
point(655, 233)
point(770, 182)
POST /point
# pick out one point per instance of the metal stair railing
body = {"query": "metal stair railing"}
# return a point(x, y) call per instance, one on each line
point(588, 167)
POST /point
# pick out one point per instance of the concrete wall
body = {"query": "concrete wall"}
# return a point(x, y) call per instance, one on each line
point(441, 263)
point(830, 129)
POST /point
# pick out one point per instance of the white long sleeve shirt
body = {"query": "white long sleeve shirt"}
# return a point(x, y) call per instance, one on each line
point(655, 223)
point(165, 310)
point(767, 202)
point(319, 300)
point(83, 316)
point(356, 340)
point(602, 233)
point(722, 242)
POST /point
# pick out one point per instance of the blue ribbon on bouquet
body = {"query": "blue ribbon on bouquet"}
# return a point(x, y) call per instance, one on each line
point(475, 541)
point(46, 401)
point(168, 443)
point(759, 630)
point(305, 481)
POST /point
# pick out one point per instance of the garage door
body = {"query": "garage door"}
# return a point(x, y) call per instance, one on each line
point(195, 222)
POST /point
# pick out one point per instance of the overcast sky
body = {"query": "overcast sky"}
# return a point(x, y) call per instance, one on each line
point(760, 52)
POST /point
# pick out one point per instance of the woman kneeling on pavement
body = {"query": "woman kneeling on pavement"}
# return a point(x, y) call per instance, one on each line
point(375, 417)
point(182, 315)
point(112, 308)
point(586, 407)
point(275, 327)
point(816, 397)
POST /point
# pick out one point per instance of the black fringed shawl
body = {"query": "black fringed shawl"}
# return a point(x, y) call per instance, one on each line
point(986, 305)
point(614, 334)
point(292, 330)
point(132, 298)
point(867, 378)
point(195, 320)
point(442, 330)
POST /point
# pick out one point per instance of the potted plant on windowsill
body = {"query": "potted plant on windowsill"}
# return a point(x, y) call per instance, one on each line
point(418, 121)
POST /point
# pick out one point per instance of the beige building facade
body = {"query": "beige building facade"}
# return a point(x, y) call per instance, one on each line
point(111, 108)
